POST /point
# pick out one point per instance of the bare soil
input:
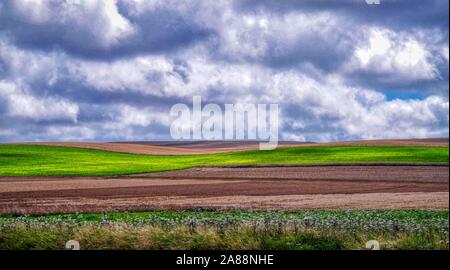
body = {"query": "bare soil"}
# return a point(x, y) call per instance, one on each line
point(443, 142)
point(289, 188)
point(214, 147)
point(320, 172)
point(404, 200)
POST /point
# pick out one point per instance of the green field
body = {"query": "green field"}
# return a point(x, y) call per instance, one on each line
point(39, 160)
point(202, 229)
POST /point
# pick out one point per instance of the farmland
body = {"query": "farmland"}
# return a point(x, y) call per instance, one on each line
point(40, 160)
point(263, 188)
point(322, 196)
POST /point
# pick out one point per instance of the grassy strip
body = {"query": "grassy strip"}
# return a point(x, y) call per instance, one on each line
point(39, 160)
point(396, 229)
point(201, 213)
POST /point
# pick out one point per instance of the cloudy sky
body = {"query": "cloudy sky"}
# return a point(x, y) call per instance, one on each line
point(111, 70)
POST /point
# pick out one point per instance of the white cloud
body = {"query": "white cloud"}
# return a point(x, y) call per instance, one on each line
point(21, 104)
point(141, 117)
point(58, 133)
point(397, 56)
point(24, 65)
point(100, 20)
point(140, 74)
point(402, 119)
point(258, 35)
point(445, 53)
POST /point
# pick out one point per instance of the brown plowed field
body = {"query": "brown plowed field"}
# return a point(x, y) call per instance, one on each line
point(214, 147)
point(157, 148)
point(291, 188)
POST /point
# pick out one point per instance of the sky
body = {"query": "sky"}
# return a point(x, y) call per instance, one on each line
point(111, 70)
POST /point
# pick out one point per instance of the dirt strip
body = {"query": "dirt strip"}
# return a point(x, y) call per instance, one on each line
point(232, 188)
point(149, 149)
point(251, 188)
point(215, 147)
point(320, 172)
point(408, 200)
point(136, 148)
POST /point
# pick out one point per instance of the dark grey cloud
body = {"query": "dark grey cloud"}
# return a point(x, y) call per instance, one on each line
point(155, 31)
